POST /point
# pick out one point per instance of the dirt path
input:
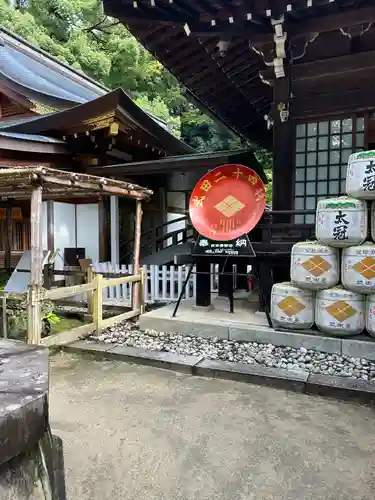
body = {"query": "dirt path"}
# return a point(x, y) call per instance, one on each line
point(139, 433)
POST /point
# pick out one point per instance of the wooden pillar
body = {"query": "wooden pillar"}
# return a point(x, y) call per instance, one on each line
point(137, 252)
point(115, 230)
point(34, 319)
point(283, 146)
point(8, 239)
point(50, 226)
point(163, 205)
point(203, 294)
point(283, 160)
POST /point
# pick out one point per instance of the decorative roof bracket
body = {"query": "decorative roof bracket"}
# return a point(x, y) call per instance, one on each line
point(279, 37)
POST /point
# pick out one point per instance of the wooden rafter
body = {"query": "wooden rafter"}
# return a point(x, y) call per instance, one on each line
point(260, 31)
point(334, 66)
point(18, 183)
point(348, 67)
point(354, 100)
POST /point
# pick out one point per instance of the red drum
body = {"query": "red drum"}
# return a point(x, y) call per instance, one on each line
point(227, 202)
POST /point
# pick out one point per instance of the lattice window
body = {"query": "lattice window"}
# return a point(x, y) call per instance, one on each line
point(322, 152)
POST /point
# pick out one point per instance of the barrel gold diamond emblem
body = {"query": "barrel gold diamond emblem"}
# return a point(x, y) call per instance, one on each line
point(229, 206)
point(291, 306)
point(366, 267)
point(316, 266)
point(341, 310)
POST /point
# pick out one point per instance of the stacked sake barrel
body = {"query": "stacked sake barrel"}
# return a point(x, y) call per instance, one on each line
point(338, 297)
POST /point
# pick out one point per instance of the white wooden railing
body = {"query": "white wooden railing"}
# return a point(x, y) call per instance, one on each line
point(162, 283)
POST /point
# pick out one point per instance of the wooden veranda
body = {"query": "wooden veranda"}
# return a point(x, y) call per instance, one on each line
point(37, 183)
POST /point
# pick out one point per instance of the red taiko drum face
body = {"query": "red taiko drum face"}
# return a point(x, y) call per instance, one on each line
point(227, 202)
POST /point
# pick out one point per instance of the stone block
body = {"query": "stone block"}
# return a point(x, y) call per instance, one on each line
point(168, 360)
point(266, 335)
point(23, 396)
point(359, 348)
point(256, 374)
point(341, 387)
point(195, 328)
point(84, 345)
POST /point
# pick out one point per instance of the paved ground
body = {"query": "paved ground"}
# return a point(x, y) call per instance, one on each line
point(141, 433)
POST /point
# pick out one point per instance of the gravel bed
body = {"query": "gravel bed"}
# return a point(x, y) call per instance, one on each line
point(288, 358)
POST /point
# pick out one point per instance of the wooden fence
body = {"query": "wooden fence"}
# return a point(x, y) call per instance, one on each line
point(94, 290)
point(162, 283)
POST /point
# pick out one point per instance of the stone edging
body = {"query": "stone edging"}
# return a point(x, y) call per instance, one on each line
point(297, 381)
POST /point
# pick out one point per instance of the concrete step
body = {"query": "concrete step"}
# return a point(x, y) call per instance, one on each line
point(248, 325)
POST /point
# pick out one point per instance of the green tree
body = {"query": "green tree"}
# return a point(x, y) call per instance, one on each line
point(158, 108)
point(77, 33)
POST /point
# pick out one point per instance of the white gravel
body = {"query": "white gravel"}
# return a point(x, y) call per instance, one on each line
point(239, 352)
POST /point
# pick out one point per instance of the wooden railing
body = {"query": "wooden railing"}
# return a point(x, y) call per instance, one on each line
point(153, 240)
point(94, 290)
point(276, 232)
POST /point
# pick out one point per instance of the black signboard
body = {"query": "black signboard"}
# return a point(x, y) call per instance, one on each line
point(239, 247)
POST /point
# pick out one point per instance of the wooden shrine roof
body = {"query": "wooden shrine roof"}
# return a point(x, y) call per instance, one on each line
point(184, 36)
point(41, 83)
point(184, 163)
point(18, 183)
point(12, 141)
point(137, 128)
point(36, 75)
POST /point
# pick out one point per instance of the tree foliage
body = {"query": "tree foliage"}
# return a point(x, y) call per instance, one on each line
point(78, 33)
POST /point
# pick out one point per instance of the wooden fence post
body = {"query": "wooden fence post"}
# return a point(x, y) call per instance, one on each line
point(137, 250)
point(98, 303)
point(90, 295)
point(142, 291)
point(34, 295)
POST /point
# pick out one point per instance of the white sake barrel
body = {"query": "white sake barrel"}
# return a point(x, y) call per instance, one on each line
point(341, 222)
point(358, 268)
point(340, 312)
point(360, 175)
point(370, 315)
point(314, 266)
point(292, 307)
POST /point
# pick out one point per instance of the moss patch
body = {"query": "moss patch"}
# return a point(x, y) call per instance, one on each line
point(66, 324)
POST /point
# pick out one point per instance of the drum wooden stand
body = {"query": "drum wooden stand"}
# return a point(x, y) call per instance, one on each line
point(207, 252)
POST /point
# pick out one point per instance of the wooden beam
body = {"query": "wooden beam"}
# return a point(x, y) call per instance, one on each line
point(352, 63)
point(90, 186)
point(68, 336)
point(68, 291)
point(36, 280)
point(14, 144)
point(325, 23)
point(191, 24)
point(258, 34)
point(106, 323)
point(356, 100)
